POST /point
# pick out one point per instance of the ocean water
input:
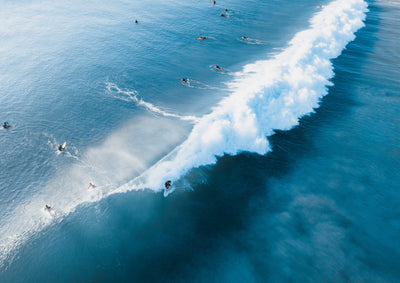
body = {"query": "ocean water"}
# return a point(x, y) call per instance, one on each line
point(284, 165)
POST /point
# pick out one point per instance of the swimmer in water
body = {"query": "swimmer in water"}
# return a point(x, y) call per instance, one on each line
point(136, 22)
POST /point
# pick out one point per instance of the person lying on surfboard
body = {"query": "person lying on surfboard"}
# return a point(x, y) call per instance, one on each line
point(167, 184)
point(218, 67)
point(61, 147)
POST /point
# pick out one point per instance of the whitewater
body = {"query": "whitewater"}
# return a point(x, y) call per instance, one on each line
point(266, 95)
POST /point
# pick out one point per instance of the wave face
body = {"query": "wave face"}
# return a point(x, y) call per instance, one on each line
point(266, 95)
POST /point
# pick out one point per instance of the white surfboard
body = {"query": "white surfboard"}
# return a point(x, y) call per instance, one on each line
point(170, 190)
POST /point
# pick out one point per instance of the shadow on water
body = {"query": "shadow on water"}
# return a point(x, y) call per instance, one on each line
point(144, 237)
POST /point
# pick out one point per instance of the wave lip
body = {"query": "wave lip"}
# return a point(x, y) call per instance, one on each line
point(266, 95)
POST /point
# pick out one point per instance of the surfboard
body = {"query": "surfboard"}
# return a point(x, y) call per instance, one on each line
point(168, 191)
point(64, 145)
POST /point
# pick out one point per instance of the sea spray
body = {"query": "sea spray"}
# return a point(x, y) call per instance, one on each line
point(266, 95)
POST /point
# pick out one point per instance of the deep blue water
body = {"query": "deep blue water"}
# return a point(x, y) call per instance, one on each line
point(321, 205)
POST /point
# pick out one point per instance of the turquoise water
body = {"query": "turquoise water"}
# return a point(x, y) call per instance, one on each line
point(317, 201)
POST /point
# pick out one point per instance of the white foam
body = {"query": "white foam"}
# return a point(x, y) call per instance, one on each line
point(129, 95)
point(266, 95)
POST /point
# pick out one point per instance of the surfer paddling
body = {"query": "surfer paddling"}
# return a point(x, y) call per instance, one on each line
point(225, 13)
point(61, 147)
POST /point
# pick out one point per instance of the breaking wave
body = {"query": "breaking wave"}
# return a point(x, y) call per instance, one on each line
point(266, 95)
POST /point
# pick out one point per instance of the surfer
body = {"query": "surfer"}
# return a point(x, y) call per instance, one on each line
point(48, 208)
point(61, 147)
point(203, 37)
point(6, 125)
point(185, 80)
point(136, 22)
point(214, 2)
point(218, 67)
point(167, 184)
point(244, 37)
point(225, 13)
point(91, 185)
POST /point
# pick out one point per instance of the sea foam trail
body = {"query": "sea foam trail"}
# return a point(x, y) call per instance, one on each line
point(266, 95)
point(129, 95)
